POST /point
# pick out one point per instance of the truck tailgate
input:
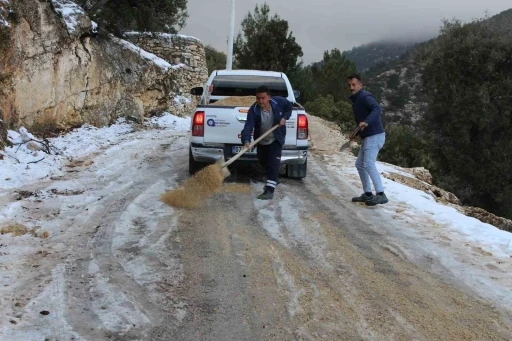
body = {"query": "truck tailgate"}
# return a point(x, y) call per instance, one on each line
point(225, 124)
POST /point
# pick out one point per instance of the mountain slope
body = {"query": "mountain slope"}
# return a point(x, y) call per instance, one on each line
point(368, 55)
point(397, 84)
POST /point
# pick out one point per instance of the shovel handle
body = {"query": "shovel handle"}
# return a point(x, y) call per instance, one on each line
point(354, 133)
point(240, 153)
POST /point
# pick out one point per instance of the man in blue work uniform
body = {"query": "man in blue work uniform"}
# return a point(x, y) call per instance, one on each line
point(263, 115)
point(367, 114)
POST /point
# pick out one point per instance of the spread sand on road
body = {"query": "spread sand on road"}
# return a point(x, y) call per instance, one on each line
point(196, 189)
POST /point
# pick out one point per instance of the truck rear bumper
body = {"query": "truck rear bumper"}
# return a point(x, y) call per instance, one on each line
point(209, 154)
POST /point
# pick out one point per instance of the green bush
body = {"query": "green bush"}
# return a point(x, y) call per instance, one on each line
point(393, 81)
point(404, 147)
point(145, 16)
point(326, 108)
point(215, 60)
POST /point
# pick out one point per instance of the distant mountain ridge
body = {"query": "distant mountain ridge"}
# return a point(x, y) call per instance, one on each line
point(368, 55)
point(397, 83)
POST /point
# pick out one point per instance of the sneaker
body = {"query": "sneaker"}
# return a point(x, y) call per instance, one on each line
point(377, 199)
point(362, 198)
point(266, 195)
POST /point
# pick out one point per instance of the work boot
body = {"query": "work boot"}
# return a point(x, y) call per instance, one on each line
point(362, 198)
point(377, 199)
point(265, 187)
point(266, 195)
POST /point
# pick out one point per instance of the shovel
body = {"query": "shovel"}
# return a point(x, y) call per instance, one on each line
point(352, 137)
point(223, 165)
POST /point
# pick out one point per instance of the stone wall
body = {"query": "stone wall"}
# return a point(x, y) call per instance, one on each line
point(186, 52)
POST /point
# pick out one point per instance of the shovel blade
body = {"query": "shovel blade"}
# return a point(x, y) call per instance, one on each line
point(345, 146)
point(223, 168)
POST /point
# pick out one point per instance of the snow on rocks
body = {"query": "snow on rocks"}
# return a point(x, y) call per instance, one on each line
point(4, 4)
point(72, 16)
point(168, 121)
point(146, 55)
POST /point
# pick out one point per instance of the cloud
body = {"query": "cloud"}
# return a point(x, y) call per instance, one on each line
point(326, 24)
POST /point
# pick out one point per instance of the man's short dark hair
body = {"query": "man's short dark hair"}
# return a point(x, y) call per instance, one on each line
point(263, 89)
point(354, 75)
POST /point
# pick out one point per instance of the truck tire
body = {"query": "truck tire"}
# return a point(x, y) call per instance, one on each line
point(193, 165)
point(297, 171)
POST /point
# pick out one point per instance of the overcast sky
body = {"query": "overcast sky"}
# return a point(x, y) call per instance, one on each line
point(320, 25)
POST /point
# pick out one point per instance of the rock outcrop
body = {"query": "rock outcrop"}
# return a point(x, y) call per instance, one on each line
point(3, 134)
point(487, 217)
point(417, 182)
point(62, 70)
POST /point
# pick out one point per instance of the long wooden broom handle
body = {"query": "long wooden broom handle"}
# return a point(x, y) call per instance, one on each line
point(240, 153)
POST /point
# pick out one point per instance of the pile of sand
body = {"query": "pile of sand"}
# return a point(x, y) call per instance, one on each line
point(196, 189)
point(236, 101)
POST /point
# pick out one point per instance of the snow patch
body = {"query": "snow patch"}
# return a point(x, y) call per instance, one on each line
point(114, 308)
point(53, 300)
point(94, 27)
point(306, 232)
point(69, 11)
point(169, 121)
point(266, 217)
point(22, 165)
point(488, 237)
point(3, 22)
point(17, 169)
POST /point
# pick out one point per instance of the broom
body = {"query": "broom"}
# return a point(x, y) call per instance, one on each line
point(205, 182)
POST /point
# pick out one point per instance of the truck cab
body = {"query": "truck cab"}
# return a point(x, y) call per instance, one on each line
point(215, 131)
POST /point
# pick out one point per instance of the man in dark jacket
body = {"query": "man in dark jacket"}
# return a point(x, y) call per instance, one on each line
point(263, 115)
point(367, 114)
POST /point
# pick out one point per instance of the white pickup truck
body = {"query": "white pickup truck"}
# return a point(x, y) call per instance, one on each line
point(215, 130)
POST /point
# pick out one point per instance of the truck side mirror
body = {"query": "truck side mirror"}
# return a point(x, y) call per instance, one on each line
point(197, 91)
point(296, 93)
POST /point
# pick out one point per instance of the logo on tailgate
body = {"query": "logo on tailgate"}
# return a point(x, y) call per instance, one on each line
point(211, 123)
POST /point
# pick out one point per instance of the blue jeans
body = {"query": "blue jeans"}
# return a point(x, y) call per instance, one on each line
point(365, 162)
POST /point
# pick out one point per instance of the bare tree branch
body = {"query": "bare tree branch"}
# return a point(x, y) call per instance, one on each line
point(35, 161)
point(12, 157)
point(47, 146)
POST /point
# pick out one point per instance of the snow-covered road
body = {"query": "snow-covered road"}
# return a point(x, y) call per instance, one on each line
point(110, 261)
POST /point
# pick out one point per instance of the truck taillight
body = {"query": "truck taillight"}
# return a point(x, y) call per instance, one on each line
point(198, 124)
point(302, 127)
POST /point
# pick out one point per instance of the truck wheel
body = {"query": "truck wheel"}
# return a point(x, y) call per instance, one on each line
point(297, 171)
point(193, 165)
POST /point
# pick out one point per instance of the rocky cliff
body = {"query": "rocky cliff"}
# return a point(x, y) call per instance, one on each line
point(57, 69)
